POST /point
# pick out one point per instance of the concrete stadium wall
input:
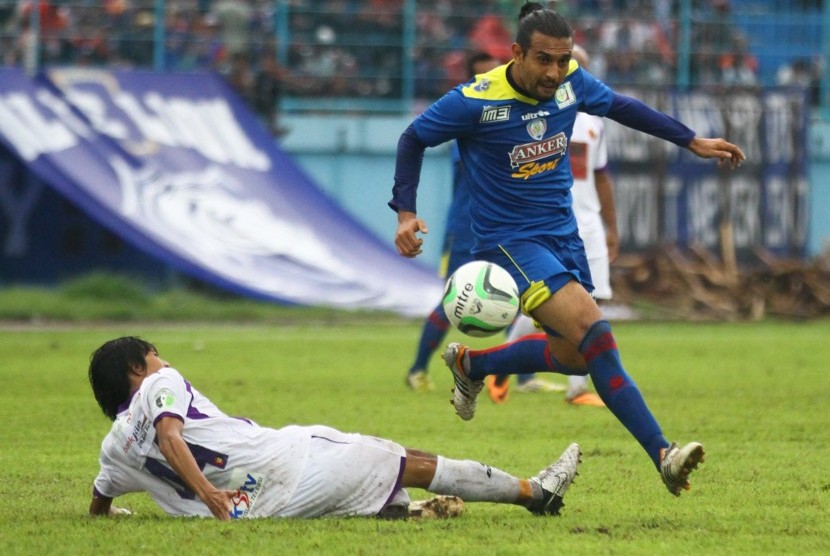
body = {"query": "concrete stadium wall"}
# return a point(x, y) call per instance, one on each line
point(819, 176)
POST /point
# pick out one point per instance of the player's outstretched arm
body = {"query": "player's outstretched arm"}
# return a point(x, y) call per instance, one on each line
point(102, 505)
point(406, 239)
point(726, 152)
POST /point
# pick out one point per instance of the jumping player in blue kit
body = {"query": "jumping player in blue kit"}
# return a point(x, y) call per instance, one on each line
point(513, 126)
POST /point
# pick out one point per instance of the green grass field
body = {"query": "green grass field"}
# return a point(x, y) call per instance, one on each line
point(755, 394)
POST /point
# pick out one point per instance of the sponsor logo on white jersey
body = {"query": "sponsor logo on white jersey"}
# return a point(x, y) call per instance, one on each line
point(246, 495)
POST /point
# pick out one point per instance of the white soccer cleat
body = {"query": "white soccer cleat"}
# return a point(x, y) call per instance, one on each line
point(555, 480)
point(465, 390)
point(676, 463)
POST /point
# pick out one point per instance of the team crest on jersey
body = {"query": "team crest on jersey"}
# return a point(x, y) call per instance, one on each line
point(165, 398)
point(537, 128)
point(490, 114)
point(565, 95)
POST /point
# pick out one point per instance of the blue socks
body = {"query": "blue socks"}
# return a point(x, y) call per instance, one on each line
point(528, 354)
point(433, 333)
point(618, 391)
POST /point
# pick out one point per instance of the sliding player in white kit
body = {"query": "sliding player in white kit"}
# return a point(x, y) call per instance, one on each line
point(170, 441)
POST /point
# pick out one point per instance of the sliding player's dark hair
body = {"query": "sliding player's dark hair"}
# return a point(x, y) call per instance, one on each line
point(535, 17)
point(109, 371)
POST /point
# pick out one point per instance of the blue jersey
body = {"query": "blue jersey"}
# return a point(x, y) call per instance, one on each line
point(514, 150)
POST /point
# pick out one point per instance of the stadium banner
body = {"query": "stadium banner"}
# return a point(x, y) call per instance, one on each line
point(180, 168)
point(666, 195)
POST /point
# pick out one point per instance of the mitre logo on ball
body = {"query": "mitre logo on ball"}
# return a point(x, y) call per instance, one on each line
point(481, 299)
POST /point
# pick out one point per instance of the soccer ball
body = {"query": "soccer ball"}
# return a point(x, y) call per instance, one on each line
point(481, 299)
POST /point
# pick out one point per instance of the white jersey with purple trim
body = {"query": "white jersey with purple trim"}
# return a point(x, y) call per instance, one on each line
point(299, 471)
point(264, 465)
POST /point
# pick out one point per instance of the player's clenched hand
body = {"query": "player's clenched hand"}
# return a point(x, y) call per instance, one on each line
point(219, 502)
point(726, 152)
point(406, 239)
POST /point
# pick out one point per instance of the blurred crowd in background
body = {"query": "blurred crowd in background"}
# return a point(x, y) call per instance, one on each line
point(268, 49)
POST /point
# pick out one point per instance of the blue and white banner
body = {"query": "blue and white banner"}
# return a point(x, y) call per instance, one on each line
point(177, 166)
point(667, 195)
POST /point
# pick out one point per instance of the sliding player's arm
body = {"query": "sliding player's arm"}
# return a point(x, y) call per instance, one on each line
point(178, 455)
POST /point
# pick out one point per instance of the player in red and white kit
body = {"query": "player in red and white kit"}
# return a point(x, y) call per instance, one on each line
point(170, 441)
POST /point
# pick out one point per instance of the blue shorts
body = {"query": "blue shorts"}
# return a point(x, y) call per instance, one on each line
point(542, 265)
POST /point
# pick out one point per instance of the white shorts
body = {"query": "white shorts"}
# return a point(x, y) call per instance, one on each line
point(346, 474)
point(597, 252)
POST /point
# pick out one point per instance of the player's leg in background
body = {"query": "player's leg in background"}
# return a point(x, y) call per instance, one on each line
point(436, 325)
point(525, 358)
point(433, 333)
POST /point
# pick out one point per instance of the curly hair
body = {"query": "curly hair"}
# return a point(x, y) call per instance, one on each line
point(109, 371)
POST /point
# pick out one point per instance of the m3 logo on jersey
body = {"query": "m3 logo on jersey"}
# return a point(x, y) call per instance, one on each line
point(537, 128)
point(565, 95)
point(490, 114)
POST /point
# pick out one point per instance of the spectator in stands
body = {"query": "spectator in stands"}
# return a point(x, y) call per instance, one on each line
point(739, 67)
point(711, 39)
point(802, 73)
point(233, 17)
point(267, 89)
point(136, 41)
